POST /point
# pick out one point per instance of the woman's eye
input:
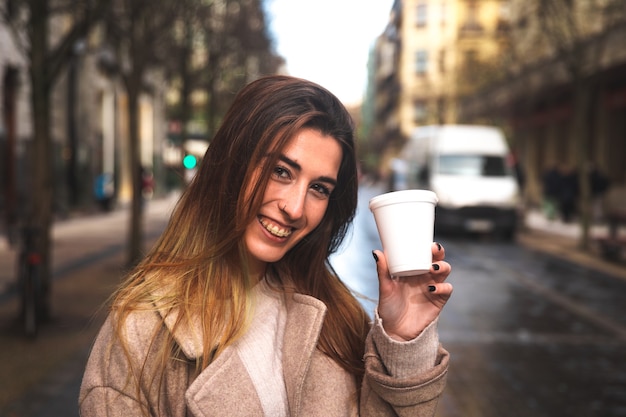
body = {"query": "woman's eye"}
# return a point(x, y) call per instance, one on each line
point(282, 173)
point(321, 189)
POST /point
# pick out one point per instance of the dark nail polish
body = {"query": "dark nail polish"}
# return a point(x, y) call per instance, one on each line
point(438, 246)
point(375, 256)
point(431, 288)
point(436, 267)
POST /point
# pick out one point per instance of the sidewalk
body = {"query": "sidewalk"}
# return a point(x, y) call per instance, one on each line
point(40, 377)
point(159, 207)
point(561, 241)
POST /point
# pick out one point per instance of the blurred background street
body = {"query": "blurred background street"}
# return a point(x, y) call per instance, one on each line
point(106, 111)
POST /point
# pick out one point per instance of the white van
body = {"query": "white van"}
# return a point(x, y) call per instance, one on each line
point(468, 167)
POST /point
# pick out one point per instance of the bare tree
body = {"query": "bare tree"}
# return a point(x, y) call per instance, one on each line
point(140, 32)
point(148, 34)
point(47, 59)
point(221, 46)
point(238, 50)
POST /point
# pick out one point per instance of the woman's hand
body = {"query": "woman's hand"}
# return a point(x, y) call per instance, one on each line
point(407, 305)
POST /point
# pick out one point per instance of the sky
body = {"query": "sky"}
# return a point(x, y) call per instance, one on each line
point(328, 41)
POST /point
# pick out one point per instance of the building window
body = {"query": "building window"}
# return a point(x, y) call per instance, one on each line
point(472, 21)
point(471, 65)
point(419, 111)
point(442, 18)
point(504, 18)
point(472, 13)
point(421, 15)
point(442, 61)
point(471, 59)
point(421, 62)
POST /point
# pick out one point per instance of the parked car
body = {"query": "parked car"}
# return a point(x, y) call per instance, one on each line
point(467, 166)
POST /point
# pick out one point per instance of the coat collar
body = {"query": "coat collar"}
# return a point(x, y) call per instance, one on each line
point(305, 316)
point(188, 335)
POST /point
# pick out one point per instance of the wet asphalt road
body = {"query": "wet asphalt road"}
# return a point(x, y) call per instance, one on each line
point(528, 335)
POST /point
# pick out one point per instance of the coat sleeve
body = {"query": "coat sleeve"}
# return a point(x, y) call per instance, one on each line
point(108, 388)
point(110, 384)
point(396, 386)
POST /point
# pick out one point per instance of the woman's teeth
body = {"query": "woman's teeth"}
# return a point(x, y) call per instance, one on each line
point(275, 230)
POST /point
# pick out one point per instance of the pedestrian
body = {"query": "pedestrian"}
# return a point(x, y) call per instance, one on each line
point(147, 183)
point(599, 184)
point(568, 193)
point(104, 190)
point(236, 310)
point(551, 185)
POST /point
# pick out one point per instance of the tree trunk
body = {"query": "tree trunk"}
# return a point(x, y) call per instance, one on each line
point(39, 210)
point(185, 90)
point(10, 82)
point(134, 145)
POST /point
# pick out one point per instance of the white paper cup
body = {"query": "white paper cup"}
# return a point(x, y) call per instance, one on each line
point(405, 222)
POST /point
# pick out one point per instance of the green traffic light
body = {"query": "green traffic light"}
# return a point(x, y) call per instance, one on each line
point(189, 161)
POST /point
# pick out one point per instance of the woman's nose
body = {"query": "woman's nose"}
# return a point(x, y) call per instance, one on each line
point(293, 202)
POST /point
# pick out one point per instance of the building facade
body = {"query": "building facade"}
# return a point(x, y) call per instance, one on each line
point(89, 127)
point(552, 74)
point(563, 96)
point(431, 54)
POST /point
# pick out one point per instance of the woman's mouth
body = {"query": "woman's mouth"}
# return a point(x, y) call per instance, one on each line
point(275, 229)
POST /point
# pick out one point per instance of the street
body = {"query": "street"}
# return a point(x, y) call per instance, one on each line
point(528, 335)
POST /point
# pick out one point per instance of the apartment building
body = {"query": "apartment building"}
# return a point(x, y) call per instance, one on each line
point(552, 74)
point(562, 95)
point(432, 53)
point(88, 125)
point(14, 115)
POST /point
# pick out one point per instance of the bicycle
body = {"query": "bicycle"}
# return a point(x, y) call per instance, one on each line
point(29, 280)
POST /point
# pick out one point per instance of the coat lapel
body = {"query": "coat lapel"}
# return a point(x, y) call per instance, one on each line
point(305, 316)
point(224, 388)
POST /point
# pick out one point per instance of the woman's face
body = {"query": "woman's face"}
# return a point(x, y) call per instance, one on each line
point(296, 197)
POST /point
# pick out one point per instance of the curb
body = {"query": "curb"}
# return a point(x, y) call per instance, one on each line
point(567, 249)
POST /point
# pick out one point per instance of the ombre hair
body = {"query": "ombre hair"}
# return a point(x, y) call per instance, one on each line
point(197, 269)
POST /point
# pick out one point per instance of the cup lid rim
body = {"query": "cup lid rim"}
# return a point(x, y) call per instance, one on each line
point(402, 195)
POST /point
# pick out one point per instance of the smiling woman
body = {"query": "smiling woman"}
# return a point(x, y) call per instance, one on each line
point(295, 199)
point(236, 310)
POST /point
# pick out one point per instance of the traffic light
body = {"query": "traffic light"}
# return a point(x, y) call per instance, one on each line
point(190, 162)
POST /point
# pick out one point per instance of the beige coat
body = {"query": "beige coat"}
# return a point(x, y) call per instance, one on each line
point(316, 386)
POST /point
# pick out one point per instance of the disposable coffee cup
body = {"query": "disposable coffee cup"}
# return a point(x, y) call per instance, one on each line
point(405, 221)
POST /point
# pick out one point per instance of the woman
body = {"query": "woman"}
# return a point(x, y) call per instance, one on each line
point(236, 310)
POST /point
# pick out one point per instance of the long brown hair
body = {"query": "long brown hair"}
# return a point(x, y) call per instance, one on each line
point(198, 266)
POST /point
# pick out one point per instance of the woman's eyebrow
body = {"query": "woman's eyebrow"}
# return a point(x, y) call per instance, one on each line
point(293, 164)
point(290, 162)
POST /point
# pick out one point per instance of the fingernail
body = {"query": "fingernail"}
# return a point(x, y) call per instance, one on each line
point(431, 288)
point(375, 256)
point(438, 245)
point(436, 267)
